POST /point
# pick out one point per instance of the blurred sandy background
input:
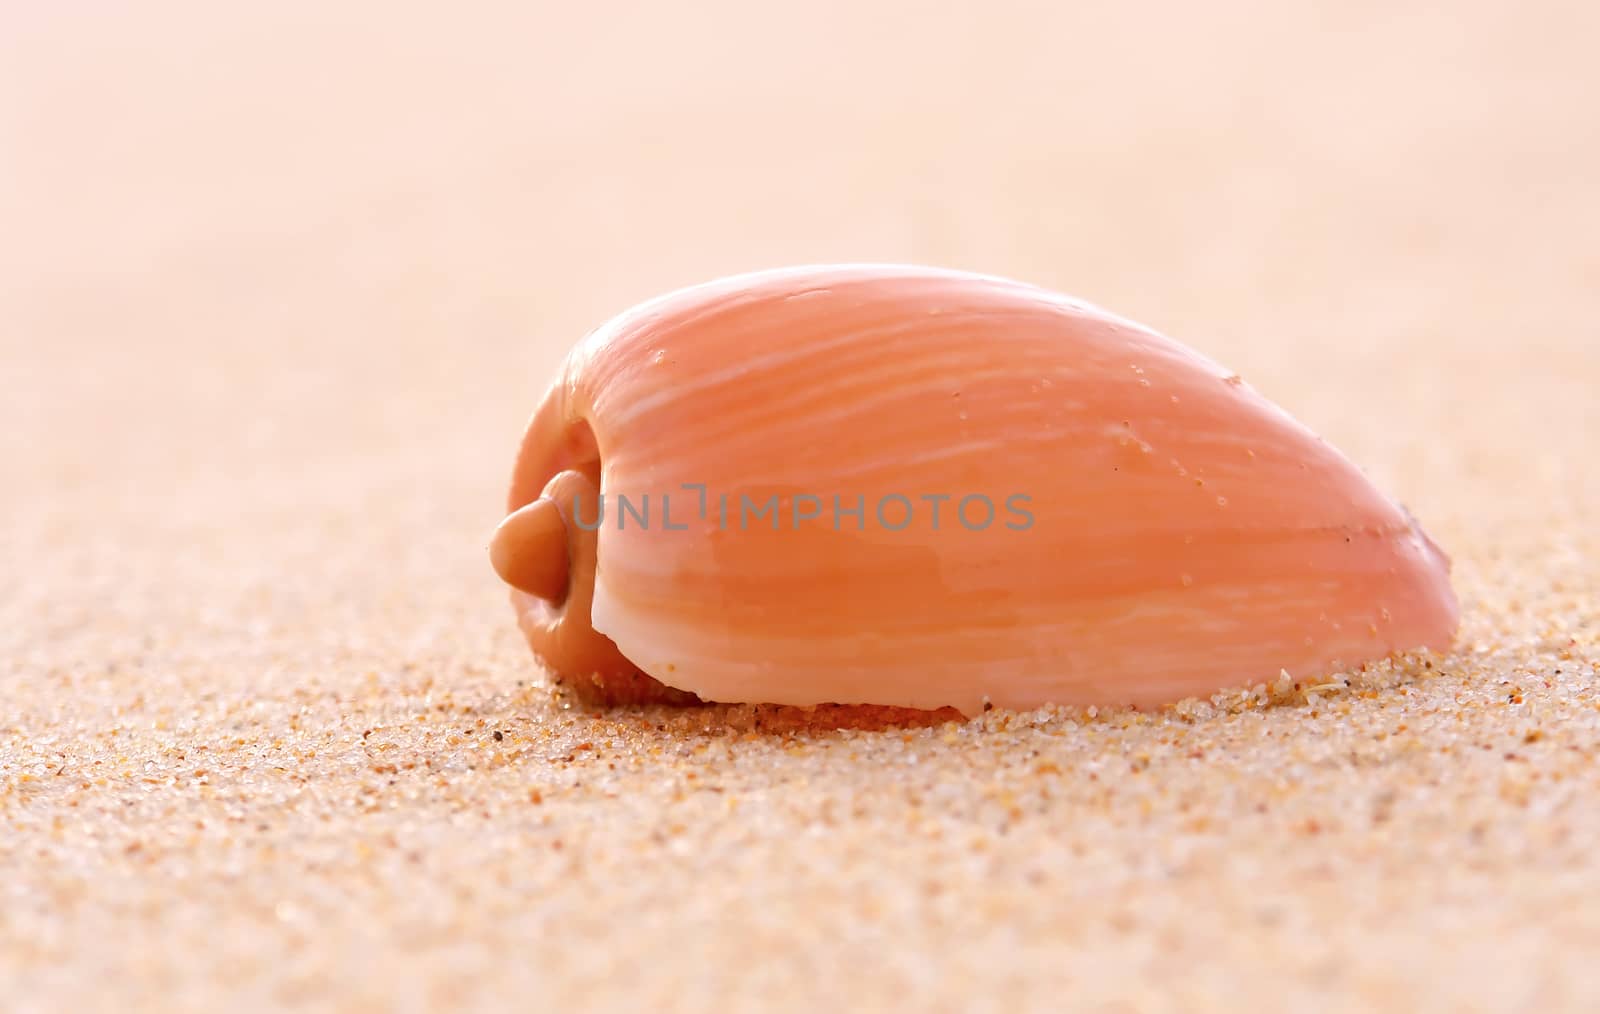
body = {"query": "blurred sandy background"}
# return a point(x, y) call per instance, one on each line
point(279, 284)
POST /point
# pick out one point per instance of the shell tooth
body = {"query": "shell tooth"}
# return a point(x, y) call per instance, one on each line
point(906, 486)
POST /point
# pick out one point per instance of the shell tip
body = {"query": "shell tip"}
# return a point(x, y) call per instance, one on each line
point(529, 550)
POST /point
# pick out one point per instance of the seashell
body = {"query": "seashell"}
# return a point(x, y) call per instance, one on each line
point(924, 488)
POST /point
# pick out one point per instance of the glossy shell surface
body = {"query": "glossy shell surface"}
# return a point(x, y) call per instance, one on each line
point(917, 487)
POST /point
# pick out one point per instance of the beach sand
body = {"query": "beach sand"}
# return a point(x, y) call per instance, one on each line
point(279, 288)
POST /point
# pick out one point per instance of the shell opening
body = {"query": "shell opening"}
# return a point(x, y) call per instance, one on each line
point(553, 445)
point(551, 560)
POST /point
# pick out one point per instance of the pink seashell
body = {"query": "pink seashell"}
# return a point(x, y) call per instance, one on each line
point(1123, 522)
